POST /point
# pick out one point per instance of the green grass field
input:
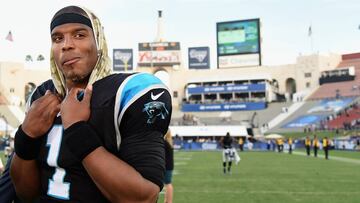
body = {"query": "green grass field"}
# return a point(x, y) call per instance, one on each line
point(266, 177)
point(2, 157)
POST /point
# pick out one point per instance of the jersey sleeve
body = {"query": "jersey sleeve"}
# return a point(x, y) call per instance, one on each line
point(143, 115)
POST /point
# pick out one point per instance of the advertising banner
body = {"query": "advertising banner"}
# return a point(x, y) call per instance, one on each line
point(122, 59)
point(227, 89)
point(199, 58)
point(159, 54)
point(243, 106)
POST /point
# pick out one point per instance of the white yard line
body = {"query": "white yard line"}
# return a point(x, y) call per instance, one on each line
point(343, 159)
point(182, 158)
point(272, 192)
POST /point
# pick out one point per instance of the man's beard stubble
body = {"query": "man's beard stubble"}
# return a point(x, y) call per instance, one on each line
point(78, 79)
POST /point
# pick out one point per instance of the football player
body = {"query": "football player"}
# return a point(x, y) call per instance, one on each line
point(104, 146)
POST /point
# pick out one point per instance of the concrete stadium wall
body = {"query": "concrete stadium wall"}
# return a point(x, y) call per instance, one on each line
point(16, 75)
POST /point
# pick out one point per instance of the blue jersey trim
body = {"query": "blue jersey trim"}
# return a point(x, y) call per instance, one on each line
point(135, 85)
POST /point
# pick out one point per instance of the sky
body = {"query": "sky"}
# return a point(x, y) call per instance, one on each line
point(284, 25)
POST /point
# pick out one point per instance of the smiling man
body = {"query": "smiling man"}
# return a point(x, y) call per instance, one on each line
point(106, 147)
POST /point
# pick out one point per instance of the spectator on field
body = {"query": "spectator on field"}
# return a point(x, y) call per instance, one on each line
point(280, 144)
point(290, 142)
point(169, 166)
point(315, 145)
point(273, 145)
point(307, 145)
point(241, 144)
point(326, 147)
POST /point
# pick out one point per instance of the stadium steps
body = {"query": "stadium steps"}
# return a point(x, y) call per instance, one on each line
point(18, 113)
point(301, 111)
point(283, 115)
point(13, 114)
point(237, 117)
point(263, 116)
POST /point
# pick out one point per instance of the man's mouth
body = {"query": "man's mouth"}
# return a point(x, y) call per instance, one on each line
point(71, 61)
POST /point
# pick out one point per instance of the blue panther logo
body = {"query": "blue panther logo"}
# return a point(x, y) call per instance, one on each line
point(155, 109)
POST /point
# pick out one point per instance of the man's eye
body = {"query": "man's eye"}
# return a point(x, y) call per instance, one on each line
point(57, 39)
point(79, 35)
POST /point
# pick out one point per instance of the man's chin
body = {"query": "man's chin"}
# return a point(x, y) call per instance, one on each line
point(80, 79)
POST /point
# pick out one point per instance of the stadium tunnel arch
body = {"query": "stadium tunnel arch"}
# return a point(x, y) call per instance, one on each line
point(290, 87)
point(163, 75)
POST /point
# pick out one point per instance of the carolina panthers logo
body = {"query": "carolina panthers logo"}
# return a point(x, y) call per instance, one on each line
point(154, 110)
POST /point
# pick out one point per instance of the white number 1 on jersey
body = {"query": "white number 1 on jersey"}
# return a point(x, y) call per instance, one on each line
point(57, 187)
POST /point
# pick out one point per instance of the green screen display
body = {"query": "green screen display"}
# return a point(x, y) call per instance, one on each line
point(238, 37)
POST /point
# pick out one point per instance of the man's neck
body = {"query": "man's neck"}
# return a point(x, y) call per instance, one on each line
point(70, 85)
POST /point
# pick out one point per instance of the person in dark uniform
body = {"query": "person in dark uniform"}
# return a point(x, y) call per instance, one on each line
point(228, 152)
point(307, 145)
point(325, 143)
point(169, 161)
point(89, 135)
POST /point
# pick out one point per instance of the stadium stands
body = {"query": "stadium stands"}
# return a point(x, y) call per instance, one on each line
point(226, 95)
point(341, 89)
point(347, 119)
point(327, 114)
point(329, 107)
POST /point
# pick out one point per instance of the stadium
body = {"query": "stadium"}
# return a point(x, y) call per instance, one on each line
point(317, 95)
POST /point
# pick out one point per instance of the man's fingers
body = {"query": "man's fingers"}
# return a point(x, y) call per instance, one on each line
point(45, 100)
point(54, 101)
point(56, 110)
point(52, 108)
point(88, 93)
point(73, 92)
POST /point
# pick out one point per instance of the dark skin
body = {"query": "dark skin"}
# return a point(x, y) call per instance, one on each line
point(42, 111)
point(74, 49)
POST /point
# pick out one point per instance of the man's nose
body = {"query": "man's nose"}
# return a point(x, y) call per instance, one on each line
point(68, 43)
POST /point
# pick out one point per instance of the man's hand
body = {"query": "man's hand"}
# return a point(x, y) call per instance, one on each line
point(73, 110)
point(41, 115)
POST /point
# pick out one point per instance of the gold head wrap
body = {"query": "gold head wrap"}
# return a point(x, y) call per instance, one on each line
point(102, 67)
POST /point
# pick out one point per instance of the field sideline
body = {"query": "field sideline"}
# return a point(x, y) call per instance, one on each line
point(266, 177)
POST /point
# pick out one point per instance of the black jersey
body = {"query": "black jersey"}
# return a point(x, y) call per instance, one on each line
point(227, 142)
point(130, 113)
